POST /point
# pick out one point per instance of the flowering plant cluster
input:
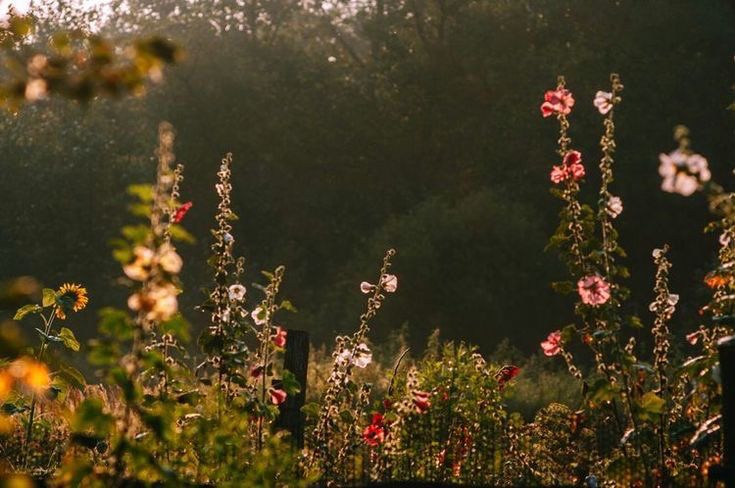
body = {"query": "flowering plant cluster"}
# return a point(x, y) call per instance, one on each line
point(657, 408)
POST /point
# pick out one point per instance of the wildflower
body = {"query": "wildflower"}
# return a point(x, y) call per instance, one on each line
point(614, 207)
point(603, 101)
point(140, 268)
point(552, 344)
point(279, 339)
point(237, 292)
point(374, 434)
point(228, 238)
point(390, 283)
point(668, 307)
point(158, 303)
point(181, 212)
point(361, 358)
point(277, 395)
point(682, 172)
point(70, 297)
point(571, 168)
point(505, 374)
point(259, 316)
point(169, 260)
point(558, 101)
point(693, 338)
point(421, 401)
point(593, 290)
point(366, 287)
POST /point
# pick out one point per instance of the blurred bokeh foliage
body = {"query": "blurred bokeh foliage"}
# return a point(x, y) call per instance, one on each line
point(357, 125)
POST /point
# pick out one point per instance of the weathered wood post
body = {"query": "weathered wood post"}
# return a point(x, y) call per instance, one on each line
point(726, 350)
point(296, 360)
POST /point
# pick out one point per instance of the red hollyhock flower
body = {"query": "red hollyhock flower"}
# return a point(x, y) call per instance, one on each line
point(256, 371)
point(505, 374)
point(280, 338)
point(277, 395)
point(421, 401)
point(181, 212)
point(552, 344)
point(374, 434)
point(558, 101)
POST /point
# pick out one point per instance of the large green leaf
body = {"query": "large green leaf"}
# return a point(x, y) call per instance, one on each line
point(70, 341)
point(49, 297)
point(25, 310)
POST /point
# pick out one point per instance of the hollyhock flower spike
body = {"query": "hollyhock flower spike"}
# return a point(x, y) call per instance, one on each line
point(603, 101)
point(552, 344)
point(557, 102)
point(181, 212)
point(279, 339)
point(593, 290)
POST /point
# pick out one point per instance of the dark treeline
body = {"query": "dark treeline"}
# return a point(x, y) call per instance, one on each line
point(412, 124)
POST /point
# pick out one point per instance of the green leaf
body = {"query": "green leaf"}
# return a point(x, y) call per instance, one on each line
point(25, 310)
point(69, 340)
point(651, 405)
point(311, 409)
point(49, 297)
point(289, 383)
point(635, 322)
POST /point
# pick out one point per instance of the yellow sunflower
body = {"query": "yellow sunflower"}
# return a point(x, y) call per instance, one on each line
point(70, 297)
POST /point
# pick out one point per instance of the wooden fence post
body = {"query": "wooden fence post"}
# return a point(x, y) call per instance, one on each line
point(296, 360)
point(726, 471)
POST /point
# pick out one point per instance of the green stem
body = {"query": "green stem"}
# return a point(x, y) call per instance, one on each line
point(39, 357)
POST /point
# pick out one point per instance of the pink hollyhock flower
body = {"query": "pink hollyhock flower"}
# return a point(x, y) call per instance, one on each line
point(614, 207)
point(366, 287)
point(682, 172)
point(390, 283)
point(558, 174)
point(181, 212)
point(558, 101)
point(279, 339)
point(277, 395)
point(603, 101)
point(259, 316)
point(571, 167)
point(505, 374)
point(593, 290)
point(552, 344)
point(421, 401)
